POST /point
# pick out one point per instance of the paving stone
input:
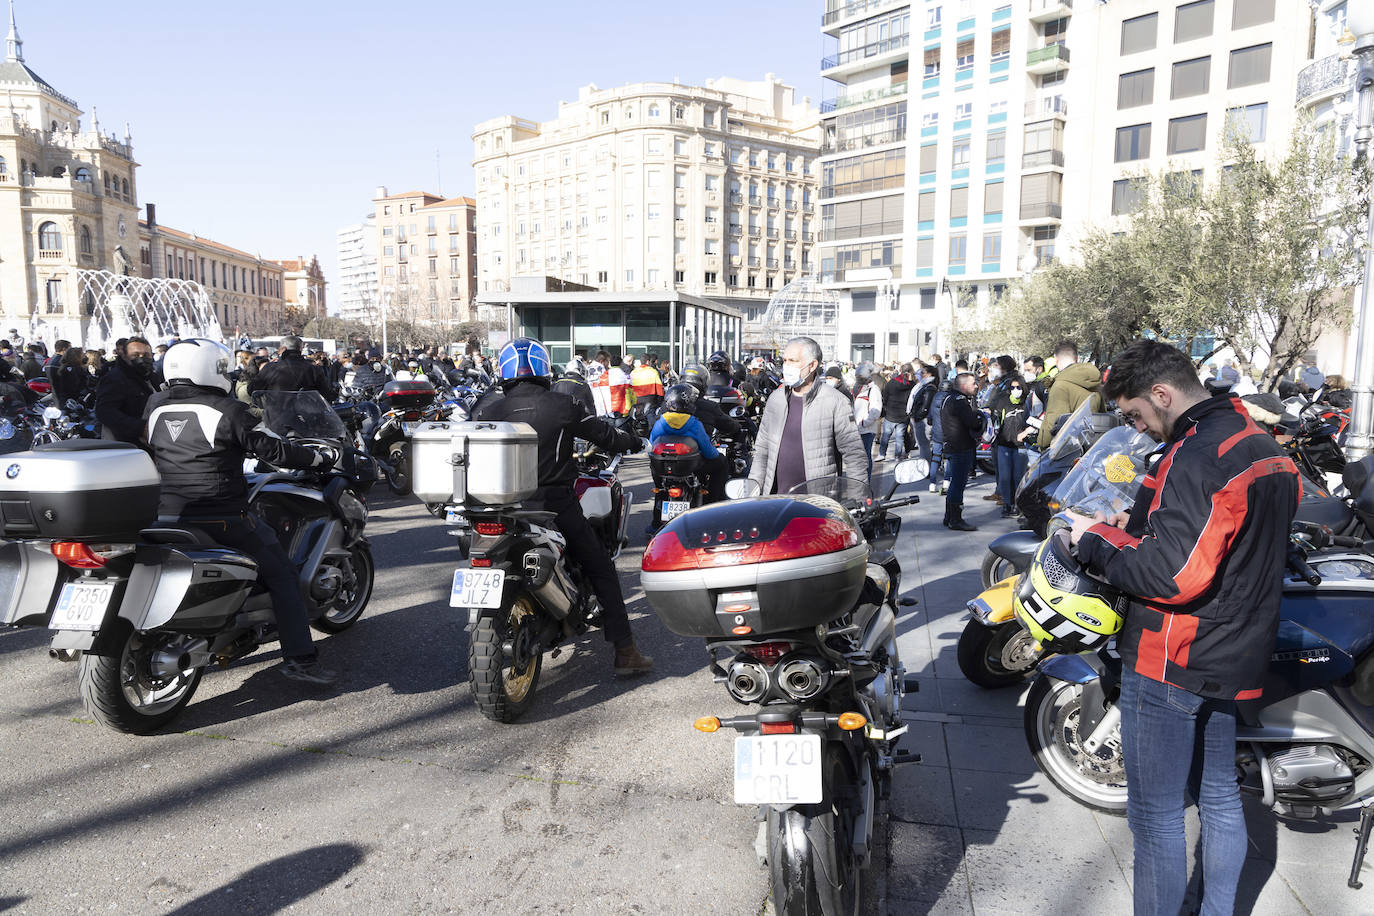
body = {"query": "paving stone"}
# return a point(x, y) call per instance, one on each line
point(926, 872)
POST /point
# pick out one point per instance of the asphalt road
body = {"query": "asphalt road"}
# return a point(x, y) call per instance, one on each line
point(390, 794)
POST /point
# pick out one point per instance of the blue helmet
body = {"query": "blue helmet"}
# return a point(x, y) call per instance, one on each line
point(522, 359)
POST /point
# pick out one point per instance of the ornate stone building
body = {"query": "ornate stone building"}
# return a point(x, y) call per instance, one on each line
point(68, 200)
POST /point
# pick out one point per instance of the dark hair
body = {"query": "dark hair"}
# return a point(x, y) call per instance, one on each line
point(137, 339)
point(600, 355)
point(1066, 346)
point(1145, 363)
point(1007, 364)
point(929, 370)
point(61, 345)
point(1037, 361)
point(961, 364)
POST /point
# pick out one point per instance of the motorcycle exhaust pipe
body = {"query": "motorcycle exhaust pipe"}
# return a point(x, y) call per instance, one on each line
point(65, 655)
point(548, 584)
point(802, 679)
point(746, 681)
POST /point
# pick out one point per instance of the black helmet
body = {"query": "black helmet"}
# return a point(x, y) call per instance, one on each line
point(680, 399)
point(694, 374)
point(719, 362)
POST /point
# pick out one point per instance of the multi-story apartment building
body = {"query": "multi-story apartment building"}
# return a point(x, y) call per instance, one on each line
point(68, 199)
point(246, 291)
point(937, 194)
point(426, 253)
point(356, 294)
point(706, 190)
point(303, 285)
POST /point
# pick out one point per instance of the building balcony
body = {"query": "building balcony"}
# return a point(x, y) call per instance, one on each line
point(755, 201)
point(1047, 10)
point(790, 235)
point(896, 90)
point(1325, 79)
point(791, 205)
point(735, 260)
point(735, 229)
point(772, 263)
point(736, 197)
point(837, 66)
point(50, 254)
point(754, 261)
point(1041, 212)
point(808, 236)
point(772, 203)
point(1047, 60)
point(1043, 159)
point(1048, 106)
point(847, 144)
point(852, 9)
point(789, 264)
point(754, 231)
point(772, 232)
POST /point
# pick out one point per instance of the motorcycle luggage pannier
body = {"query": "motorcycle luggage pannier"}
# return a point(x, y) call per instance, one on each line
point(755, 566)
point(78, 489)
point(475, 463)
point(407, 395)
point(674, 456)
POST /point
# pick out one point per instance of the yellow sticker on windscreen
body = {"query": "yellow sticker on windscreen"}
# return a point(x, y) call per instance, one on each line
point(1119, 468)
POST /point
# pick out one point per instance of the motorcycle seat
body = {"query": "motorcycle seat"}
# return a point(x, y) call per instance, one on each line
point(1328, 511)
point(1356, 475)
point(82, 445)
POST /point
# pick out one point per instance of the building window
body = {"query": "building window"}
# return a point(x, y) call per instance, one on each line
point(83, 175)
point(992, 198)
point(53, 288)
point(961, 154)
point(1132, 143)
point(1126, 196)
point(1044, 237)
point(1138, 34)
point(963, 111)
point(932, 62)
point(1249, 66)
point(928, 159)
point(997, 147)
point(958, 203)
point(124, 182)
point(752, 281)
point(710, 278)
point(925, 207)
point(992, 248)
point(679, 276)
point(49, 237)
point(958, 249)
point(927, 294)
point(1193, 20)
point(925, 253)
point(1250, 120)
point(1191, 77)
point(1134, 89)
point(1001, 44)
point(1252, 12)
point(963, 52)
point(863, 300)
point(1187, 135)
point(654, 111)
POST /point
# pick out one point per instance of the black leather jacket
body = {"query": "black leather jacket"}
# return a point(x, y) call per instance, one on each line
point(292, 372)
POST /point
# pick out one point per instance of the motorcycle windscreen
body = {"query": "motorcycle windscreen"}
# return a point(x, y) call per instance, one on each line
point(1108, 476)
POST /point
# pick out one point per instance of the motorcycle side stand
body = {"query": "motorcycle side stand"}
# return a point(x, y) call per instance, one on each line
point(1361, 845)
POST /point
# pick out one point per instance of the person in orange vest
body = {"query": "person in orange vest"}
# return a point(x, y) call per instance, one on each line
point(648, 387)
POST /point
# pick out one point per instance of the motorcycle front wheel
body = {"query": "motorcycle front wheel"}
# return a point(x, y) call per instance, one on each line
point(810, 854)
point(398, 456)
point(1097, 781)
point(122, 692)
point(503, 681)
point(356, 592)
point(995, 569)
point(996, 656)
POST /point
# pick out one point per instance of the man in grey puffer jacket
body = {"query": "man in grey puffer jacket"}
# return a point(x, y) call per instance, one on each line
point(808, 428)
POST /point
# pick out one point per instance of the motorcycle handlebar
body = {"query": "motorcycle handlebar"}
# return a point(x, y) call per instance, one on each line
point(1298, 564)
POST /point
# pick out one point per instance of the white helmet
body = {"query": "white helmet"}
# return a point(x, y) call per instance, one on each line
point(198, 361)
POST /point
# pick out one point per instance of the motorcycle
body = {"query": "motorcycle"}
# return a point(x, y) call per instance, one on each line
point(55, 423)
point(403, 405)
point(675, 463)
point(796, 597)
point(523, 593)
point(146, 606)
point(1304, 749)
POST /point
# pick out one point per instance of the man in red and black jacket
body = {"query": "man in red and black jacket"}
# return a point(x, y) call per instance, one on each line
point(1202, 556)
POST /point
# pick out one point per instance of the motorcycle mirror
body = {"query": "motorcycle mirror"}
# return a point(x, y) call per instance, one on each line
point(52, 413)
point(911, 470)
point(741, 488)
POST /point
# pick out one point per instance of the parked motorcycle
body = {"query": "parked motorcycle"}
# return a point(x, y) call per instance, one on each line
point(147, 606)
point(523, 593)
point(1305, 749)
point(796, 597)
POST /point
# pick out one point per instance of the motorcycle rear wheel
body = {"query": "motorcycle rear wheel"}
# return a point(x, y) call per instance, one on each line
point(996, 656)
point(502, 688)
point(1051, 720)
point(995, 569)
point(121, 692)
point(810, 857)
point(398, 456)
point(352, 601)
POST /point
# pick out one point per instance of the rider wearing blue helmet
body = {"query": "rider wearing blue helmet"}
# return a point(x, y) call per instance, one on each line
point(525, 396)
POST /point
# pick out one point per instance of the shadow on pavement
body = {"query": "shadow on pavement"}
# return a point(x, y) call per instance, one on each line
point(274, 886)
point(9, 903)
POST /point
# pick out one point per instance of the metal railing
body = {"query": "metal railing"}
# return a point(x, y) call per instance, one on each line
point(791, 205)
point(863, 98)
point(1049, 105)
point(773, 263)
point(790, 235)
point(1052, 52)
point(1041, 210)
point(755, 200)
point(754, 261)
point(887, 45)
point(736, 197)
point(1324, 76)
point(789, 263)
point(735, 229)
point(772, 233)
point(1047, 6)
point(1042, 158)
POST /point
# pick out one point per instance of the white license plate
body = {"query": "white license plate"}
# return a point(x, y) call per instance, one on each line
point(673, 508)
point(477, 588)
point(778, 770)
point(81, 606)
point(409, 426)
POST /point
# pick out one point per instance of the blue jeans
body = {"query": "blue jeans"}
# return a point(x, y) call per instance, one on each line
point(922, 439)
point(1011, 467)
point(867, 440)
point(957, 467)
point(891, 429)
point(1176, 743)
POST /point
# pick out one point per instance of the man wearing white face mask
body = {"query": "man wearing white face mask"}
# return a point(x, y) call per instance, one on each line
point(808, 428)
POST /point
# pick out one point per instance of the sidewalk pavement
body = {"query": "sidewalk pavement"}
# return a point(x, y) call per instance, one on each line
point(975, 828)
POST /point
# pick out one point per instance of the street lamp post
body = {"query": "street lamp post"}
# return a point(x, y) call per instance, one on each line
point(1360, 21)
point(385, 303)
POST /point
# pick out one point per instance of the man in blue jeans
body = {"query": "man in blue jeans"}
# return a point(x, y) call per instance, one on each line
point(962, 424)
point(1201, 556)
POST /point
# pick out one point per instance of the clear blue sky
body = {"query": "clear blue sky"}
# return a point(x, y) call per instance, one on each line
point(267, 126)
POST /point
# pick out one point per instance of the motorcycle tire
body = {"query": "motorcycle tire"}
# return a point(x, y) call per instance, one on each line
point(996, 656)
point(502, 692)
point(353, 600)
point(1051, 721)
point(810, 859)
point(121, 693)
point(398, 456)
point(995, 569)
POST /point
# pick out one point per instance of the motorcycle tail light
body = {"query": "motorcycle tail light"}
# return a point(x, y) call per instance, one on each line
point(672, 448)
point(86, 556)
point(770, 652)
point(778, 728)
point(481, 562)
point(666, 553)
point(675, 492)
point(490, 529)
